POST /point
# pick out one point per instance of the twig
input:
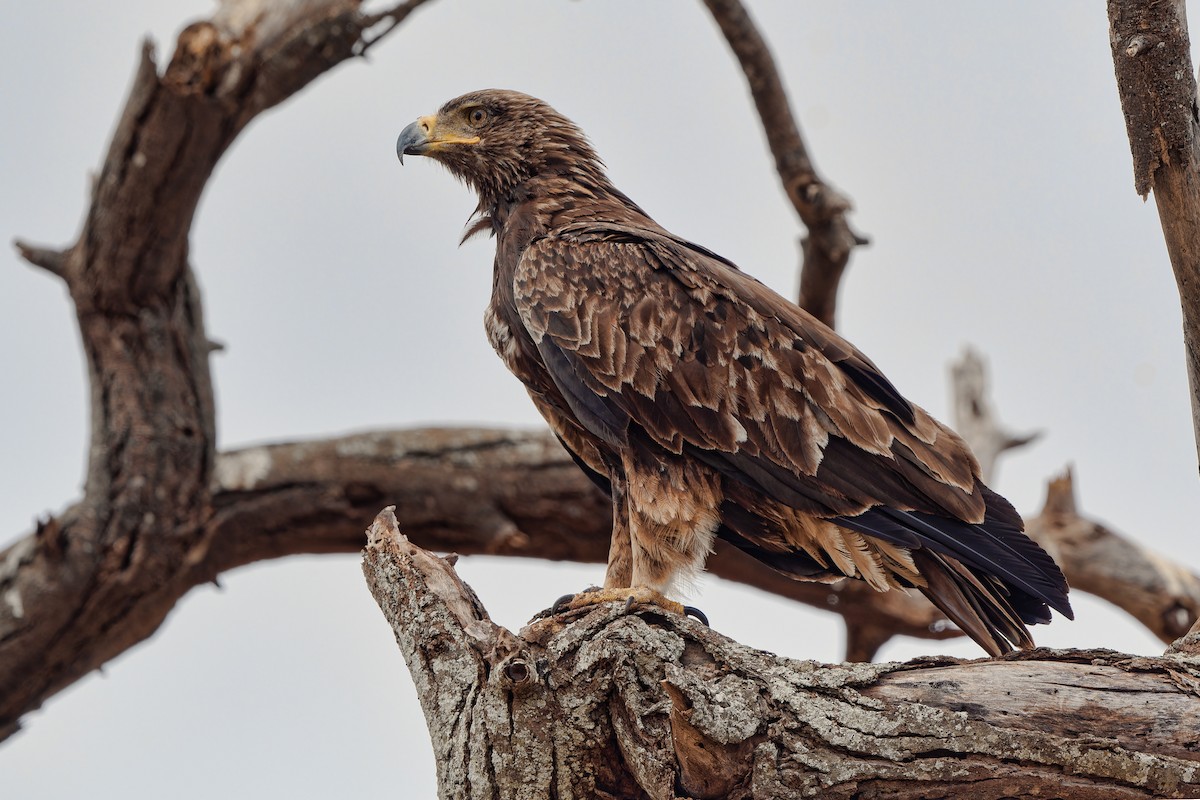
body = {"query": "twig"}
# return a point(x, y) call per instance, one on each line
point(49, 259)
point(393, 17)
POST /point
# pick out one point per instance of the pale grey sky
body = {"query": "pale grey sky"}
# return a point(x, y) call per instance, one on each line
point(984, 149)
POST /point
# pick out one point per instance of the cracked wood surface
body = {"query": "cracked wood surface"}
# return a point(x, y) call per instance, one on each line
point(606, 703)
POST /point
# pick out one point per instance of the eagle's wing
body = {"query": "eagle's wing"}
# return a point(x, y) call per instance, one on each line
point(649, 336)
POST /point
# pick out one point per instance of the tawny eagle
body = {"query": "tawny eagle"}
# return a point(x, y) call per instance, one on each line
point(709, 406)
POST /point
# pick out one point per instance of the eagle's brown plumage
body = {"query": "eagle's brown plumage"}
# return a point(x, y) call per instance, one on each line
point(707, 405)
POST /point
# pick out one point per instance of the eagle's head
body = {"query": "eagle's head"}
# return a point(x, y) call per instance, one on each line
point(495, 140)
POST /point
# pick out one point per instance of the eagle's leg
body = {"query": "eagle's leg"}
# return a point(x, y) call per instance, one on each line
point(618, 578)
point(664, 522)
point(673, 520)
point(620, 550)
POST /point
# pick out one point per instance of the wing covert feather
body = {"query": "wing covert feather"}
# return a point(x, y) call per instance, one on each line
point(696, 355)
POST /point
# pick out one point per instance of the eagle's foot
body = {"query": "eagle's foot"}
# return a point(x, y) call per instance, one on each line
point(631, 596)
point(697, 614)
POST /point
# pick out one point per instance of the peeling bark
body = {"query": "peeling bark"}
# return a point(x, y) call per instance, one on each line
point(608, 703)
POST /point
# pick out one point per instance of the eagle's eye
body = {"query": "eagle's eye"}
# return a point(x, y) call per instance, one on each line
point(477, 116)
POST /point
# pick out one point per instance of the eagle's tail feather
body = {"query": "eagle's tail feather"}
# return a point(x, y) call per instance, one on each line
point(997, 547)
point(975, 603)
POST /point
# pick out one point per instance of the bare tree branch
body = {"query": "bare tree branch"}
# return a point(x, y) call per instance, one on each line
point(100, 578)
point(505, 492)
point(470, 491)
point(974, 417)
point(1158, 592)
point(1157, 84)
point(53, 261)
point(822, 208)
point(1161, 594)
point(647, 704)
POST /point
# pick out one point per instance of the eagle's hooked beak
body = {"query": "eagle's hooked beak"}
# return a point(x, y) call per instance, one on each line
point(414, 139)
point(423, 136)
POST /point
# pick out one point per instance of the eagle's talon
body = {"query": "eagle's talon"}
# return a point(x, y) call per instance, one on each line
point(560, 605)
point(692, 611)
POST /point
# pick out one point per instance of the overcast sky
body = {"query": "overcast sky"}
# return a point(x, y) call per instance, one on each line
point(985, 152)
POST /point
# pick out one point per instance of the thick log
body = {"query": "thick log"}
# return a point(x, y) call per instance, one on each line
point(609, 703)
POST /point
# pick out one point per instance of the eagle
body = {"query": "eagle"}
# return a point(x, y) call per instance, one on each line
point(708, 406)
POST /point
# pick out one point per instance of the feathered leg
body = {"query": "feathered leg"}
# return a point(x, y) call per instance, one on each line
point(663, 529)
point(620, 555)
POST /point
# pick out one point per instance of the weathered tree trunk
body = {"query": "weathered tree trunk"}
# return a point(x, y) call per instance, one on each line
point(610, 704)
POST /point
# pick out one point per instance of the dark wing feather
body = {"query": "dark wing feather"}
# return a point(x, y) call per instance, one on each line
point(696, 355)
point(979, 607)
point(653, 338)
point(997, 547)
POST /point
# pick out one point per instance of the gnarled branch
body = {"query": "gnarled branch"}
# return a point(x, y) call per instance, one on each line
point(1161, 594)
point(98, 579)
point(1158, 592)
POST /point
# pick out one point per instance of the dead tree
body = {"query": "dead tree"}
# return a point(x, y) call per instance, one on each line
point(163, 512)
